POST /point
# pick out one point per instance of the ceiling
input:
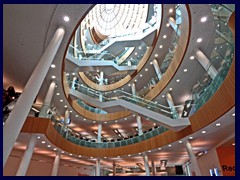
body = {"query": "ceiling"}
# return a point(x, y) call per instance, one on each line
point(26, 33)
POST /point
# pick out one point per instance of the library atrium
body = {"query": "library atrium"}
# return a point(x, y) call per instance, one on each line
point(119, 90)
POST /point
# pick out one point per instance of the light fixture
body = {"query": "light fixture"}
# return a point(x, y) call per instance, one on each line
point(163, 95)
point(185, 70)
point(167, 24)
point(180, 142)
point(170, 89)
point(146, 69)
point(55, 149)
point(76, 115)
point(140, 75)
point(43, 142)
point(159, 148)
point(66, 18)
point(129, 155)
point(116, 121)
point(91, 157)
point(169, 145)
point(156, 55)
point(38, 137)
point(84, 119)
point(94, 121)
point(191, 57)
point(73, 73)
point(70, 154)
point(53, 77)
point(53, 65)
point(65, 106)
point(161, 46)
point(129, 85)
point(135, 80)
point(204, 19)
point(139, 47)
point(62, 152)
point(139, 153)
point(58, 94)
point(233, 144)
point(233, 114)
point(70, 111)
point(135, 53)
point(178, 80)
point(48, 145)
point(125, 119)
point(61, 100)
point(149, 151)
point(105, 122)
point(118, 156)
point(199, 40)
point(105, 157)
point(134, 115)
point(79, 156)
point(203, 132)
point(218, 124)
point(190, 137)
point(164, 36)
point(171, 10)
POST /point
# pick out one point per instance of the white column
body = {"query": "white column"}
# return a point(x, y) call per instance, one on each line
point(47, 100)
point(22, 169)
point(139, 123)
point(133, 87)
point(204, 61)
point(21, 109)
point(145, 159)
point(193, 158)
point(173, 24)
point(153, 169)
point(66, 117)
point(171, 104)
point(157, 69)
point(73, 82)
point(101, 78)
point(94, 171)
point(99, 132)
point(114, 168)
point(98, 167)
point(56, 164)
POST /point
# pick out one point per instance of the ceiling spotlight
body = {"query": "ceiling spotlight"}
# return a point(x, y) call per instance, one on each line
point(149, 151)
point(76, 115)
point(53, 77)
point(58, 94)
point(125, 119)
point(135, 53)
point(140, 47)
point(70, 111)
point(105, 157)
point(65, 106)
point(129, 85)
point(161, 46)
point(191, 57)
point(159, 148)
point(73, 74)
point(84, 119)
point(94, 121)
point(177, 80)
point(53, 66)
point(170, 89)
point(105, 122)
point(55, 149)
point(169, 145)
point(139, 153)
point(204, 19)
point(62, 152)
point(129, 155)
point(70, 154)
point(43, 142)
point(156, 55)
point(233, 114)
point(116, 121)
point(171, 10)
point(38, 137)
point(190, 137)
point(61, 100)
point(180, 142)
point(233, 144)
point(203, 132)
point(218, 124)
point(167, 24)
point(48, 145)
point(79, 156)
point(146, 69)
point(66, 18)
point(199, 40)
point(134, 115)
point(163, 95)
point(140, 75)
point(164, 36)
point(185, 70)
point(135, 80)
point(91, 157)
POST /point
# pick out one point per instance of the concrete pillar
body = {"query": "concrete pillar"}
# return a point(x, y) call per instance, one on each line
point(22, 169)
point(73, 82)
point(47, 100)
point(114, 168)
point(56, 164)
point(133, 87)
point(157, 69)
point(101, 78)
point(145, 159)
point(98, 167)
point(171, 105)
point(99, 132)
point(204, 61)
point(193, 158)
point(22, 107)
point(174, 25)
point(153, 169)
point(139, 123)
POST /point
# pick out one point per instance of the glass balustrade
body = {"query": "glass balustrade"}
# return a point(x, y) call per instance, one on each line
point(220, 59)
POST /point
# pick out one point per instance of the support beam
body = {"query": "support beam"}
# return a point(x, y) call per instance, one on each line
point(157, 69)
point(99, 132)
point(56, 164)
point(171, 105)
point(98, 167)
point(145, 159)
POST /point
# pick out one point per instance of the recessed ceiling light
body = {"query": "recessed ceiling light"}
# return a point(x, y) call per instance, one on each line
point(169, 145)
point(171, 10)
point(56, 86)
point(233, 144)
point(203, 132)
point(139, 153)
point(58, 94)
point(180, 142)
point(149, 151)
point(122, 88)
point(164, 36)
point(218, 124)
point(159, 148)
point(116, 121)
point(76, 115)
point(43, 142)
point(135, 53)
point(178, 80)
point(61, 100)
point(185, 70)
point(134, 115)
point(118, 156)
point(70, 154)
point(233, 114)
point(105, 122)
point(156, 55)
point(139, 47)
point(170, 89)
point(66, 18)
point(199, 40)
point(84, 119)
point(91, 157)
point(167, 24)
point(55, 149)
point(204, 19)
point(73, 74)
point(129, 85)
point(53, 65)
point(70, 111)
point(125, 119)
point(129, 155)
point(190, 137)
point(218, 25)
point(161, 46)
point(94, 121)
point(140, 75)
point(135, 80)
point(48, 145)
point(163, 95)
point(53, 77)
point(38, 137)
point(79, 156)
point(62, 152)
point(146, 69)
point(65, 106)
point(191, 57)
point(105, 157)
